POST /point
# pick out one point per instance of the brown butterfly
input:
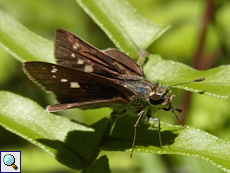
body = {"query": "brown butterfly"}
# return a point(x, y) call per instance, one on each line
point(86, 77)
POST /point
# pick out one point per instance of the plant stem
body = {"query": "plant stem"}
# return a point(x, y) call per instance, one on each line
point(197, 62)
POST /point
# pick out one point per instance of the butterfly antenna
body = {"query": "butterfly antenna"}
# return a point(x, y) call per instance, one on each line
point(197, 80)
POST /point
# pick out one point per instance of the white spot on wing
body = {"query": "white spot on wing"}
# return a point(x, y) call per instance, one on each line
point(54, 70)
point(80, 61)
point(88, 68)
point(64, 80)
point(76, 45)
point(54, 76)
point(74, 85)
point(73, 55)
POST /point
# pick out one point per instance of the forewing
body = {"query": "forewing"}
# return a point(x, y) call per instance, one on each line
point(72, 51)
point(76, 88)
point(125, 60)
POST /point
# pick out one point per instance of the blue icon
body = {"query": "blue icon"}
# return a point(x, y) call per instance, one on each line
point(9, 160)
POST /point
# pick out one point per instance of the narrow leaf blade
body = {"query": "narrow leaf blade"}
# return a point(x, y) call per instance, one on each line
point(128, 30)
point(216, 83)
point(22, 43)
point(175, 139)
point(62, 138)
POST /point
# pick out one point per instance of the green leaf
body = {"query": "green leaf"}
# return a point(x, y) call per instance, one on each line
point(176, 140)
point(22, 43)
point(66, 140)
point(101, 165)
point(216, 83)
point(128, 30)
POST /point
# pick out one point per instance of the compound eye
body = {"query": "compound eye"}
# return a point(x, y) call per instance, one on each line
point(156, 99)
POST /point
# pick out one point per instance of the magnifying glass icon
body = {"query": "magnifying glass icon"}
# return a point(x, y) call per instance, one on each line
point(9, 160)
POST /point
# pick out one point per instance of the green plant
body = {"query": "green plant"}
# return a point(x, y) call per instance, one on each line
point(57, 135)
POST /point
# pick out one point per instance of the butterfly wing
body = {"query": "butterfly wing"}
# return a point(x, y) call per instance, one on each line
point(76, 88)
point(125, 60)
point(72, 51)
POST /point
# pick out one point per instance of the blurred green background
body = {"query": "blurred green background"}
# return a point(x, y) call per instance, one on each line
point(179, 43)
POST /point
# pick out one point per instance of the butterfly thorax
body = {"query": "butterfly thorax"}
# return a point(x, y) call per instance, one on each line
point(147, 94)
point(140, 87)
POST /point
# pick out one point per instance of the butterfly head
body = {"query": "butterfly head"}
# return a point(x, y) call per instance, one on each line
point(160, 97)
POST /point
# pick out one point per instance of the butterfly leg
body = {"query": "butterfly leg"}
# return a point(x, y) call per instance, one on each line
point(159, 128)
point(135, 130)
point(173, 110)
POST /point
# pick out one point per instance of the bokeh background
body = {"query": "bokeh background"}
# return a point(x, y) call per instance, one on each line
point(199, 36)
